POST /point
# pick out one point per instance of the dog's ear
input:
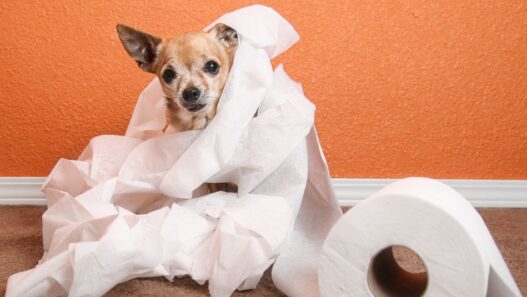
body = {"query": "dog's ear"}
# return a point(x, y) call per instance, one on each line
point(226, 35)
point(141, 46)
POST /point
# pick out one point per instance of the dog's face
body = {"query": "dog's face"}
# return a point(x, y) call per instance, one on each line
point(192, 69)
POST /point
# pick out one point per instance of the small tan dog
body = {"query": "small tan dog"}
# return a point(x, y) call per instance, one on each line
point(192, 69)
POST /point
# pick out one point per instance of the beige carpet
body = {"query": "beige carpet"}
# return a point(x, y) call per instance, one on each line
point(21, 247)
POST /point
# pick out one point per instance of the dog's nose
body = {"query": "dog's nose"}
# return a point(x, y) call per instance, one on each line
point(191, 94)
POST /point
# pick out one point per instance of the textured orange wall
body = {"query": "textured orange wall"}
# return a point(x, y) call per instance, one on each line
point(402, 87)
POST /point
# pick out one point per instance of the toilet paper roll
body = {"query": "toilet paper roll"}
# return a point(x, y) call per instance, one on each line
point(434, 221)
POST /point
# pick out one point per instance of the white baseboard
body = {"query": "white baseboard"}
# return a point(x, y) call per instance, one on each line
point(21, 191)
point(350, 191)
point(479, 192)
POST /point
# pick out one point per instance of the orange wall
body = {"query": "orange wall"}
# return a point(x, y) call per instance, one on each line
point(402, 87)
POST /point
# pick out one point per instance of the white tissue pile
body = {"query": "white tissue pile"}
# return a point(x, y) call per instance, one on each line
point(123, 210)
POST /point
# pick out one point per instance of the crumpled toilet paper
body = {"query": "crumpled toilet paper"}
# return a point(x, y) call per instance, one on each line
point(122, 210)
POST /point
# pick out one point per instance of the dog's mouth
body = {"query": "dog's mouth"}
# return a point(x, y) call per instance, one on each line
point(194, 107)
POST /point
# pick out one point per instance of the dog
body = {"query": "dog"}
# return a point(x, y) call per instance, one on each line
point(192, 69)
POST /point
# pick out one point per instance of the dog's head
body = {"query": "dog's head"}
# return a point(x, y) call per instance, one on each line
point(192, 68)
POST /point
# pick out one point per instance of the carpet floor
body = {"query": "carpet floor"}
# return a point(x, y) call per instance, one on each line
point(21, 248)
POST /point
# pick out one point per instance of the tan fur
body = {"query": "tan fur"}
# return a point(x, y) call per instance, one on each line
point(186, 54)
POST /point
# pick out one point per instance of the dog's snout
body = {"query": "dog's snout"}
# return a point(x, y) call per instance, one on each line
point(191, 94)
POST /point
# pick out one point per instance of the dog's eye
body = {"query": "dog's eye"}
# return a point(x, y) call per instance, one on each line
point(169, 75)
point(212, 67)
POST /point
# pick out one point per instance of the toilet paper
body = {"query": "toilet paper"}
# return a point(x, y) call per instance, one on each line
point(434, 221)
point(136, 205)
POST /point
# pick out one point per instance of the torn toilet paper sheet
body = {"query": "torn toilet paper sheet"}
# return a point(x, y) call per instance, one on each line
point(123, 210)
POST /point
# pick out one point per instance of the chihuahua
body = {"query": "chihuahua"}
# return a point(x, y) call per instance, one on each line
point(192, 69)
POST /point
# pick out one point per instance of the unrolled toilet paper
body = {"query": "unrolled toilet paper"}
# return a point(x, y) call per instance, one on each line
point(123, 209)
point(434, 221)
